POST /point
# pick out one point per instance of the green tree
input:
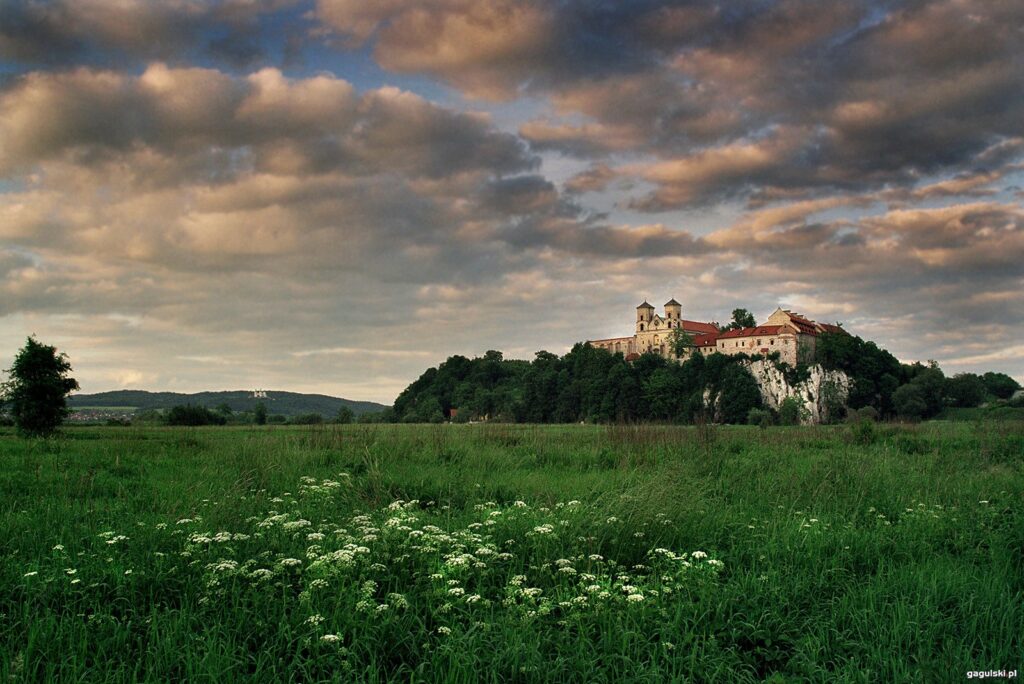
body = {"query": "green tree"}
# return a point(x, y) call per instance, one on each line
point(194, 415)
point(965, 390)
point(1000, 385)
point(259, 414)
point(37, 390)
point(345, 416)
point(741, 318)
point(680, 342)
point(909, 402)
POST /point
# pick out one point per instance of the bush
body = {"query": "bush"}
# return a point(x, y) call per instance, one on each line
point(276, 419)
point(791, 411)
point(868, 413)
point(194, 416)
point(760, 418)
point(307, 419)
point(863, 433)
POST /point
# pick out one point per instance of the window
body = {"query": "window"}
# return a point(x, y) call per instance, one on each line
point(641, 327)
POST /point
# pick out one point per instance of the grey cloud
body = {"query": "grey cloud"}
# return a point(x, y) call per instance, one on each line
point(302, 126)
point(877, 98)
point(56, 32)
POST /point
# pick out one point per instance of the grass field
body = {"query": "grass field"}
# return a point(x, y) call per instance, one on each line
point(513, 553)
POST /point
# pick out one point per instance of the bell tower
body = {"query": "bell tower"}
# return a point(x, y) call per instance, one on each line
point(673, 312)
point(644, 314)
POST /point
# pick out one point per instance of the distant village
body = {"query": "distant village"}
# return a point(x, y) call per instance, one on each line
point(793, 336)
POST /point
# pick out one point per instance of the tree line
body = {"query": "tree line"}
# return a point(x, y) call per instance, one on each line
point(595, 385)
point(587, 384)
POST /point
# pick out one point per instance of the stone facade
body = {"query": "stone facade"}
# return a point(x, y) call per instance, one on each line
point(791, 335)
point(653, 331)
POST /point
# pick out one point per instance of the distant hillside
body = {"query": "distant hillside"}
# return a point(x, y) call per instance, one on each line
point(284, 403)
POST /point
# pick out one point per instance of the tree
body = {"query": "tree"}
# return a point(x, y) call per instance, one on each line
point(680, 342)
point(741, 318)
point(37, 391)
point(909, 402)
point(192, 416)
point(345, 416)
point(1000, 385)
point(259, 414)
point(965, 390)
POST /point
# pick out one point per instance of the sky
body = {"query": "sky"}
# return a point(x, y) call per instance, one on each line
point(333, 195)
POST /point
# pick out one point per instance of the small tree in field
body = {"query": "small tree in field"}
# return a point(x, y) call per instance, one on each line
point(259, 414)
point(37, 389)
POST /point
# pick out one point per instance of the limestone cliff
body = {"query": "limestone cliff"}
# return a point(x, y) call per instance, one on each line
point(813, 393)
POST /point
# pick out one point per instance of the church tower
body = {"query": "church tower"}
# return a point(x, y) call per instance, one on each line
point(673, 312)
point(644, 314)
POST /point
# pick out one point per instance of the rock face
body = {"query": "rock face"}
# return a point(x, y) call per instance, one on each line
point(821, 389)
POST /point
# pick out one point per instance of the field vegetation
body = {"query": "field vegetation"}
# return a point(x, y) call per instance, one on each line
point(512, 553)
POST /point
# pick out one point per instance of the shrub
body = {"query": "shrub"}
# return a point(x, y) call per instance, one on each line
point(194, 415)
point(307, 419)
point(791, 411)
point(760, 418)
point(863, 433)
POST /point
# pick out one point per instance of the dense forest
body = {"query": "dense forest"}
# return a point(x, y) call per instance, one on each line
point(594, 385)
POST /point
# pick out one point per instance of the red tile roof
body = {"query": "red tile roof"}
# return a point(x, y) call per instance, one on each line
point(829, 328)
point(705, 340)
point(765, 330)
point(698, 327)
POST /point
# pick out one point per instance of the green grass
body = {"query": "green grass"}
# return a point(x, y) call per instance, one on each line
point(512, 553)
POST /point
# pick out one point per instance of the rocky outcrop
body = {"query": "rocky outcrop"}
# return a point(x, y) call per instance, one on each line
point(817, 392)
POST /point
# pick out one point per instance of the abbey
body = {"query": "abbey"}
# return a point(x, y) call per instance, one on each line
point(791, 335)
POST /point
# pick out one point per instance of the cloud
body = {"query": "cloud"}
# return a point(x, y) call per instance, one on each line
point(59, 32)
point(861, 92)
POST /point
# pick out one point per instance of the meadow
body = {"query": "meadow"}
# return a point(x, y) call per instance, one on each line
point(513, 553)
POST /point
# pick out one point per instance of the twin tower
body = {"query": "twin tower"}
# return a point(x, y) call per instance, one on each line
point(645, 316)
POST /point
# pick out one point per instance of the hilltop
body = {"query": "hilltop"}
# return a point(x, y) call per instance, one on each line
point(284, 403)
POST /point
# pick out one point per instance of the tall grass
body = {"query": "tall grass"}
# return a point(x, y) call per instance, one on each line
point(522, 553)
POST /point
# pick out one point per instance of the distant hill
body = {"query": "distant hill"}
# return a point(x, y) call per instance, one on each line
point(284, 403)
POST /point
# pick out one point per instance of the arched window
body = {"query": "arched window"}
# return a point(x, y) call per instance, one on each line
point(641, 327)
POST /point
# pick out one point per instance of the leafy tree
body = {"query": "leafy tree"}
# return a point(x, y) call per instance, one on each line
point(874, 371)
point(1000, 385)
point(738, 394)
point(259, 414)
point(932, 383)
point(965, 390)
point(680, 342)
point(307, 419)
point(224, 409)
point(190, 415)
point(37, 391)
point(741, 318)
point(345, 416)
point(909, 402)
